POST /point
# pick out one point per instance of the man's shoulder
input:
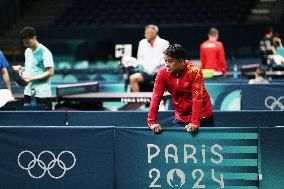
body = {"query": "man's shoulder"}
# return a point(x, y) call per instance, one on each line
point(192, 67)
point(189, 63)
point(163, 71)
point(143, 41)
point(28, 51)
point(3, 61)
point(1, 55)
point(219, 43)
point(161, 40)
point(45, 50)
point(209, 44)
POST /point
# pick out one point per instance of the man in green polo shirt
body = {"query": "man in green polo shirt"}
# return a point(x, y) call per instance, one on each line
point(39, 67)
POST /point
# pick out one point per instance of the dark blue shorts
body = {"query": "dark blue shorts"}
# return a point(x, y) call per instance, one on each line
point(147, 77)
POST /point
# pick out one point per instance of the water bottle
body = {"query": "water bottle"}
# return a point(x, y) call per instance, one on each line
point(33, 98)
point(235, 71)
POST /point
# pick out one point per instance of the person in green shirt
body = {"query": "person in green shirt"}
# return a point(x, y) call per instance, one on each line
point(38, 69)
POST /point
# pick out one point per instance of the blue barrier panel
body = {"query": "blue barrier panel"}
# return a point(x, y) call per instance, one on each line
point(248, 118)
point(213, 158)
point(56, 158)
point(138, 118)
point(272, 157)
point(135, 118)
point(31, 118)
point(263, 97)
point(225, 96)
point(119, 118)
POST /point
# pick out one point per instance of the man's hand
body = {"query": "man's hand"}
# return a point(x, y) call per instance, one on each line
point(191, 128)
point(27, 78)
point(156, 128)
point(17, 68)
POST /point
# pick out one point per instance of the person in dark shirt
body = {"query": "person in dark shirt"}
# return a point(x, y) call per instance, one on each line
point(266, 46)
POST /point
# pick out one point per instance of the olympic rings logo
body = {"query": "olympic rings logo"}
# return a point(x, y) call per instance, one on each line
point(43, 166)
point(272, 103)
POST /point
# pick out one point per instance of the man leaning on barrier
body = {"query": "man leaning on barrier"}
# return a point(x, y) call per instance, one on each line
point(184, 81)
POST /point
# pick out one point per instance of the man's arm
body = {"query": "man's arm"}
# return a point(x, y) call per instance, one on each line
point(197, 97)
point(273, 50)
point(202, 57)
point(48, 73)
point(158, 91)
point(6, 78)
point(222, 58)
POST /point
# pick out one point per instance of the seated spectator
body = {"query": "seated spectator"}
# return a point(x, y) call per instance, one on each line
point(279, 57)
point(149, 57)
point(259, 77)
point(279, 46)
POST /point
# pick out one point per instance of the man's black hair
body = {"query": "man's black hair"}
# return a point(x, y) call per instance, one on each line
point(176, 51)
point(268, 30)
point(27, 32)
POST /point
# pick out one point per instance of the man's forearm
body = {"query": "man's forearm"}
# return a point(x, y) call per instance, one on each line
point(48, 73)
point(6, 79)
point(44, 75)
point(8, 84)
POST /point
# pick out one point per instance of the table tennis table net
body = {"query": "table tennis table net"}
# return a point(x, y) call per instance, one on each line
point(69, 89)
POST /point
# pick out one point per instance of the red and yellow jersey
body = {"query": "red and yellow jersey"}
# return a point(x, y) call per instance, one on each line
point(212, 56)
point(189, 96)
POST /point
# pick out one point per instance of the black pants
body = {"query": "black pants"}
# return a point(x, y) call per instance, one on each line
point(47, 102)
point(205, 122)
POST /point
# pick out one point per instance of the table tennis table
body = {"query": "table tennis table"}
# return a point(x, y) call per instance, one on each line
point(88, 94)
point(112, 97)
point(132, 101)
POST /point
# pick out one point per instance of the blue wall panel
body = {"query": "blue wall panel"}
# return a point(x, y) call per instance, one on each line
point(30, 158)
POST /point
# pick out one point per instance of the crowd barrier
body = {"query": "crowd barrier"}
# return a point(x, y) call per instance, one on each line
point(242, 96)
point(124, 157)
point(231, 96)
point(133, 118)
point(234, 96)
point(258, 97)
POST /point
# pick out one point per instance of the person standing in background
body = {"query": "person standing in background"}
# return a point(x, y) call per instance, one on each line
point(266, 46)
point(212, 54)
point(39, 67)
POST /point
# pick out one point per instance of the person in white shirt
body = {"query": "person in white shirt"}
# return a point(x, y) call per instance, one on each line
point(259, 77)
point(149, 56)
point(38, 70)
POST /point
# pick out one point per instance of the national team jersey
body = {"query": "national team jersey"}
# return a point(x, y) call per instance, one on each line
point(189, 96)
point(212, 56)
